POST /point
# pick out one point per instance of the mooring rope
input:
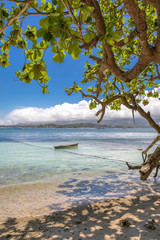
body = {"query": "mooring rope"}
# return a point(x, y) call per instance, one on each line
point(95, 156)
point(75, 153)
point(144, 156)
point(33, 145)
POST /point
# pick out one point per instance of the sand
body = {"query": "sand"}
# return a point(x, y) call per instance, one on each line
point(119, 219)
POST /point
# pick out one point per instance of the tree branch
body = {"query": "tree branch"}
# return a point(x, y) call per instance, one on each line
point(73, 17)
point(97, 15)
point(138, 15)
point(138, 68)
point(131, 36)
point(102, 112)
point(92, 43)
point(148, 117)
point(154, 3)
point(152, 144)
point(17, 15)
point(150, 164)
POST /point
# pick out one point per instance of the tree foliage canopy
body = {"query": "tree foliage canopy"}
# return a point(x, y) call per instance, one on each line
point(120, 38)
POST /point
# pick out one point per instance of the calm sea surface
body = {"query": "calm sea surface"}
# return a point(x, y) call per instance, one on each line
point(28, 156)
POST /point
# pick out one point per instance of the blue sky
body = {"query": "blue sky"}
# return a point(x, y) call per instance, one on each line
point(18, 94)
point(22, 103)
point(25, 103)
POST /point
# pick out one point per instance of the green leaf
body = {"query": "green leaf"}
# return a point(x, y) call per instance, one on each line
point(90, 90)
point(56, 14)
point(41, 32)
point(92, 105)
point(125, 38)
point(110, 41)
point(59, 57)
point(47, 36)
point(116, 36)
point(54, 49)
point(76, 50)
point(31, 75)
point(61, 7)
point(43, 1)
point(38, 70)
point(88, 37)
point(145, 102)
point(44, 23)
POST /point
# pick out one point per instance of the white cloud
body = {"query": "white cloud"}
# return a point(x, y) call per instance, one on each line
point(70, 112)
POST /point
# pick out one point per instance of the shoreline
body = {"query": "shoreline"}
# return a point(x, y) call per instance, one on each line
point(35, 199)
point(98, 220)
point(47, 197)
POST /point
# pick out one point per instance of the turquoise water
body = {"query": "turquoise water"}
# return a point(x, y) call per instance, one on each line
point(28, 156)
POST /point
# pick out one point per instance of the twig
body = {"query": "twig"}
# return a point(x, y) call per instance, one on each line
point(17, 15)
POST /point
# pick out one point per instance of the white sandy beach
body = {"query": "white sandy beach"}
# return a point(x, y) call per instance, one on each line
point(29, 214)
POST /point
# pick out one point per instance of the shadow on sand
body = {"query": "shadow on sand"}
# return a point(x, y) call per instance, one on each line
point(99, 220)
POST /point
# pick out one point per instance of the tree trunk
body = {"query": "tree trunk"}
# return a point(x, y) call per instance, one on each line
point(150, 164)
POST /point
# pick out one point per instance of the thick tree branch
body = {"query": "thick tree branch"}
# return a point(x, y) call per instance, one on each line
point(141, 65)
point(97, 15)
point(17, 1)
point(98, 60)
point(154, 3)
point(148, 117)
point(138, 15)
point(37, 11)
point(152, 144)
point(126, 103)
point(90, 96)
point(150, 164)
point(131, 167)
point(102, 112)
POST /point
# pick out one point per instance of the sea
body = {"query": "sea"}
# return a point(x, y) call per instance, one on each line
point(96, 168)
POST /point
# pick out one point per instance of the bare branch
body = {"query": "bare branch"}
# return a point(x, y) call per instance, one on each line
point(38, 12)
point(152, 144)
point(90, 96)
point(98, 60)
point(150, 164)
point(102, 112)
point(148, 117)
point(131, 167)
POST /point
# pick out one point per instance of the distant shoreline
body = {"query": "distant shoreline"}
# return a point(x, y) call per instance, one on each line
point(70, 126)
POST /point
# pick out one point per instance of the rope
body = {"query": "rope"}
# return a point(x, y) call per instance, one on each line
point(95, 156)
point(144, 156)
point(75, 153)
point(29, 144)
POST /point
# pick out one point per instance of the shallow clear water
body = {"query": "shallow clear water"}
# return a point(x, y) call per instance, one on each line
point(28, 156)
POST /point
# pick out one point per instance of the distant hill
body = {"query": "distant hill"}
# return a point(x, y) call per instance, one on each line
point(109, 124)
